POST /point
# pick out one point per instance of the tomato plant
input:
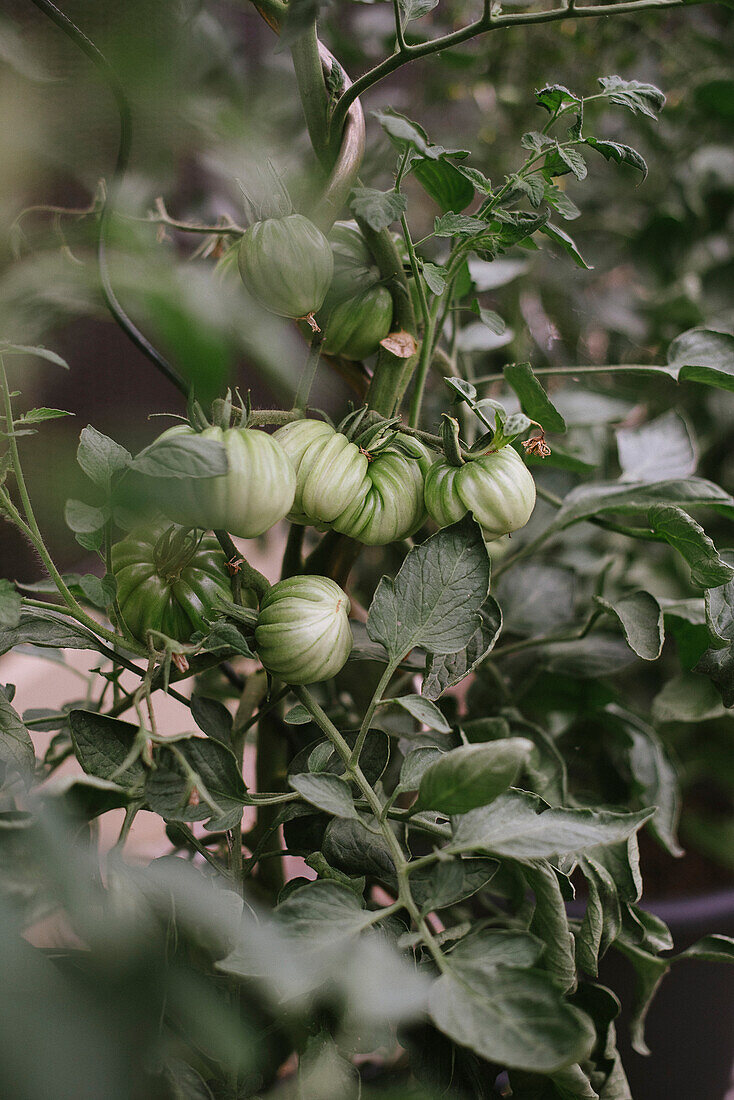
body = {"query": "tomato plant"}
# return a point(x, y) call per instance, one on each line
point(414, 637)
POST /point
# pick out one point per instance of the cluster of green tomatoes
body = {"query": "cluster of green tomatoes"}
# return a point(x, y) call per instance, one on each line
point(377, 488)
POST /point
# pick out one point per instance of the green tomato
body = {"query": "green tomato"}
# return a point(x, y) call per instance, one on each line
point(349, 247)
point(303, 634)
point(170, 581)
point(376, 502)
point(355, 326)
point(286, 264)
point(498, 489)
point(254, 494)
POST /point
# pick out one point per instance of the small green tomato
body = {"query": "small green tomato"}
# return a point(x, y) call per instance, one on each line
point(254, 494)
point(375, 499)
point(498, 489)
point(286, 264)
point(303, 634)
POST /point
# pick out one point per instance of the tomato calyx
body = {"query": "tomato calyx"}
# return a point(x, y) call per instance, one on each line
point(173, 551)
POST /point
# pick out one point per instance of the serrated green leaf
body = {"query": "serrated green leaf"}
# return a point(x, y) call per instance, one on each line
point(555, 96)
point(517, 825)
point(472, 775)
point(104, 748)
point(100, 457)
point(459, 225)
point(16, 747)
point(402, 131)
point(620, 154)
point(197, 780)
point(84, 519)
point(37, 416)
point(423, 710)
point(705, 356)
point(98, 591)
point(325, 792)
point(488, 317)
point(641, 619)
point(435, 599)
point(445, 670)
point(643, 99)
point(435, 277)
point(298, 716)
point(11, 604)
point(445, 183)
point(515, 1018)
point(560, 201)
point(415, 9)
point(567, 244)
point(602, 497)
point(719, 603)
point(378, 208)
point(686, 536)
point(47, 628)
point(414, 765)
point(182, 456)
point(532, 397)
point(212, 718)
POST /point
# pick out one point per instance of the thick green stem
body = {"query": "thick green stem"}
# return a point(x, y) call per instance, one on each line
point(312, 91)
point(424, 364)
point(370, 713)
point(271, 771)
point(306, 381)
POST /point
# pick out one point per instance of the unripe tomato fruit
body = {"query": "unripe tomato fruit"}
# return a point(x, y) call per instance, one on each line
point(170, 581)
point(255, 493)
point(355, 326)
point(376, 502)
point(303, 634)
point(498, 489)
point(354, 267)
point(286, 264)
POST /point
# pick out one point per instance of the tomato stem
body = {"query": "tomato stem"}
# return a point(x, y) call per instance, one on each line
point(306, 381)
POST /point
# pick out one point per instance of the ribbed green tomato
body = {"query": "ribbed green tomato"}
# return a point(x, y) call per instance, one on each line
point(354, 267)
point(286, 264)
point(255, 493)
point(303, 634)
point(376, 502)
point(498, 489)
point(170, 581)
point(355, 326)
